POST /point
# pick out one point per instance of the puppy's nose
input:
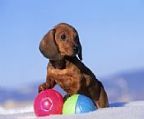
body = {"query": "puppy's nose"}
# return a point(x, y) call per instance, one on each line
point(75, 48)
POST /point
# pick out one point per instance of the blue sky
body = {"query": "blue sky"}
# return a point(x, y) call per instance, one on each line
point(111, 33)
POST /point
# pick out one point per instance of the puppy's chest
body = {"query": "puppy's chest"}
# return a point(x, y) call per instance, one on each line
point(66, 78)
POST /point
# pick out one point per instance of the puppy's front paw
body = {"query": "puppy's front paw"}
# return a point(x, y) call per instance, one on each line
point(42, 87)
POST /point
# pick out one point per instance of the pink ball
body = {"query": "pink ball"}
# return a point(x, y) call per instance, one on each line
point(48, 102)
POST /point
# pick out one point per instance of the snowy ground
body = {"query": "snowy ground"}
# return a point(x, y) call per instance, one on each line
point(132, 110)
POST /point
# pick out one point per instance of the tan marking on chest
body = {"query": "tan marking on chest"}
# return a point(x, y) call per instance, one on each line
point(69, 78)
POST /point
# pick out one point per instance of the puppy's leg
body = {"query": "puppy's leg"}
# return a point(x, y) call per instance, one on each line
point(47, 85)
point(98, 94)
point(42, 87)
point(103, 99)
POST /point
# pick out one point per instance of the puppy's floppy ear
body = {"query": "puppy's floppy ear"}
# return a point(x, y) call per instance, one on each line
point(79, 48)
point(48, 46)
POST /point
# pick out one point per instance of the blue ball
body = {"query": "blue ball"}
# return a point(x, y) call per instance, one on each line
point(84, 104)
point(78, 104)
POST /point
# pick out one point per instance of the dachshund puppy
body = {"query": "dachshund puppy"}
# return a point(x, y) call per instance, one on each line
point(62, 47)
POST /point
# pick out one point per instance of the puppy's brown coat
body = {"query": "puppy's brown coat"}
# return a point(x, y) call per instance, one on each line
point(61, 45)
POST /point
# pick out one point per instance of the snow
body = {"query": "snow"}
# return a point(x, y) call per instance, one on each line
point(131, 110)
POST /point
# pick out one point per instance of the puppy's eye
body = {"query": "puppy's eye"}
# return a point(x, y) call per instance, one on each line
point(63, 37)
